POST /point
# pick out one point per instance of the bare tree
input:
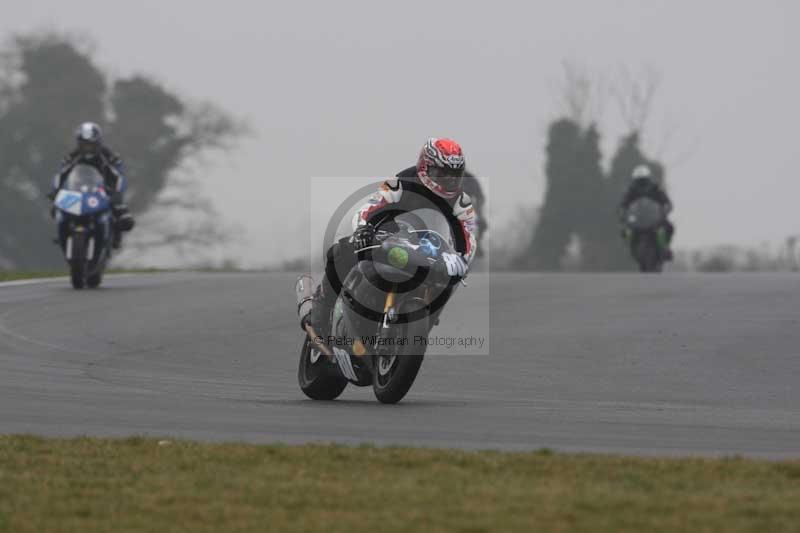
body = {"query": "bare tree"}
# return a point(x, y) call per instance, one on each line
point(157, 131)
point(182, 222)
point(582, 94)
point(634, 94)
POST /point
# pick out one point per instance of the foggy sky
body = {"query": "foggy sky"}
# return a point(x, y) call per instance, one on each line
point(352, 88)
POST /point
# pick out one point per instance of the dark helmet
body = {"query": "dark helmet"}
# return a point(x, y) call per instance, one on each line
point(89, 137)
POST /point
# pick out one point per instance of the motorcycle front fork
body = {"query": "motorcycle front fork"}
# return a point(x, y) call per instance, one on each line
point(661, 237)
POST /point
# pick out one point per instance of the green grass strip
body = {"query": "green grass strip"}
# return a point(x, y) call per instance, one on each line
point(138, 484)
point(14, 275)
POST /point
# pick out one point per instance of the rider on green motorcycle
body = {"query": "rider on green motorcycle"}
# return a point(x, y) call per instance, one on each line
point(644, 184)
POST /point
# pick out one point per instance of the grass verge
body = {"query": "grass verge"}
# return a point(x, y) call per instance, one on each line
point(14, 275)
point(139, 484)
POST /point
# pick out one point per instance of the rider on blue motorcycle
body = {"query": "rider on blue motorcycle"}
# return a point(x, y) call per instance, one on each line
point(90, 150)
point(645, 185)
point(436, 179)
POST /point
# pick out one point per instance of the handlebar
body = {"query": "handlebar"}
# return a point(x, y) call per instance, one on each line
point(414, 257)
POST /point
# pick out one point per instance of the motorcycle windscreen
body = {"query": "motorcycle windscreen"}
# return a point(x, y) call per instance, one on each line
point(84, 179)
point(83, 192)
point(644, 214)
point(432, 225)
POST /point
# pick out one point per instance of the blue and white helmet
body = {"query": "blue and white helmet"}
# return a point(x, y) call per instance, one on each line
point(89, 133)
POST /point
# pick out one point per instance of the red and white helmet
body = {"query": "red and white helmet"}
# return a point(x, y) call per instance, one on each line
point(441, 167)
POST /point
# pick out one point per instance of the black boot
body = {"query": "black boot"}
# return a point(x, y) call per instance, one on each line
point(116, 238)
point(123, 220)
point(320, 315)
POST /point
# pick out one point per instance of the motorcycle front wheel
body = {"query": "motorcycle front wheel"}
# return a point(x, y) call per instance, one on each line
point(396, 368)
point(647, 255)
point(77, 264)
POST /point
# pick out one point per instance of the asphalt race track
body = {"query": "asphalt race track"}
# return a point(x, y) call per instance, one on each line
point(647, 364)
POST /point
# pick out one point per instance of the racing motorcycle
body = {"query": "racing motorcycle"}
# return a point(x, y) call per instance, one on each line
point(645, 234)
point(83, 216)
point(387, 305)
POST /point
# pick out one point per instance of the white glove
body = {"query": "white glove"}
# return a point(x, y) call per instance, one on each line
point(456, 266)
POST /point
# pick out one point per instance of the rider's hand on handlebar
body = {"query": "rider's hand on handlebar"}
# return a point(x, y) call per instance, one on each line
point(363, 236)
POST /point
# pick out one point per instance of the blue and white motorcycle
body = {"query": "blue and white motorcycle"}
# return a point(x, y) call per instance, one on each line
point(83, 215)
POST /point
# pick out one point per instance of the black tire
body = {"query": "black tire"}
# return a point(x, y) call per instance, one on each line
point(318, 379)
point(393, 386)
point(647, 256)
point(94, 280)
point(77, 265)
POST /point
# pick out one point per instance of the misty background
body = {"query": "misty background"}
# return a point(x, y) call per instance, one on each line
point(354, 88)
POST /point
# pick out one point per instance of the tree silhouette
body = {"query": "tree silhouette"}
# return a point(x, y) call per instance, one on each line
point(48, 85)
point(553, 232)
point(581, 201)
point(588, 203)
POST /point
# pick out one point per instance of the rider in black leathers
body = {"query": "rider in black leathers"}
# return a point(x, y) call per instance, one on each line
point(645, 185)
point(90, 150)
point(435, 180)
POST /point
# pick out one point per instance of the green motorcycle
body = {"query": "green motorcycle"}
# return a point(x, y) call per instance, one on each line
point(646, 235)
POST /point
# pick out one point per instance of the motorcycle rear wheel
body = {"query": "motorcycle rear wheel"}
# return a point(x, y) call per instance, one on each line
point(94, 280)
point(316, 379)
